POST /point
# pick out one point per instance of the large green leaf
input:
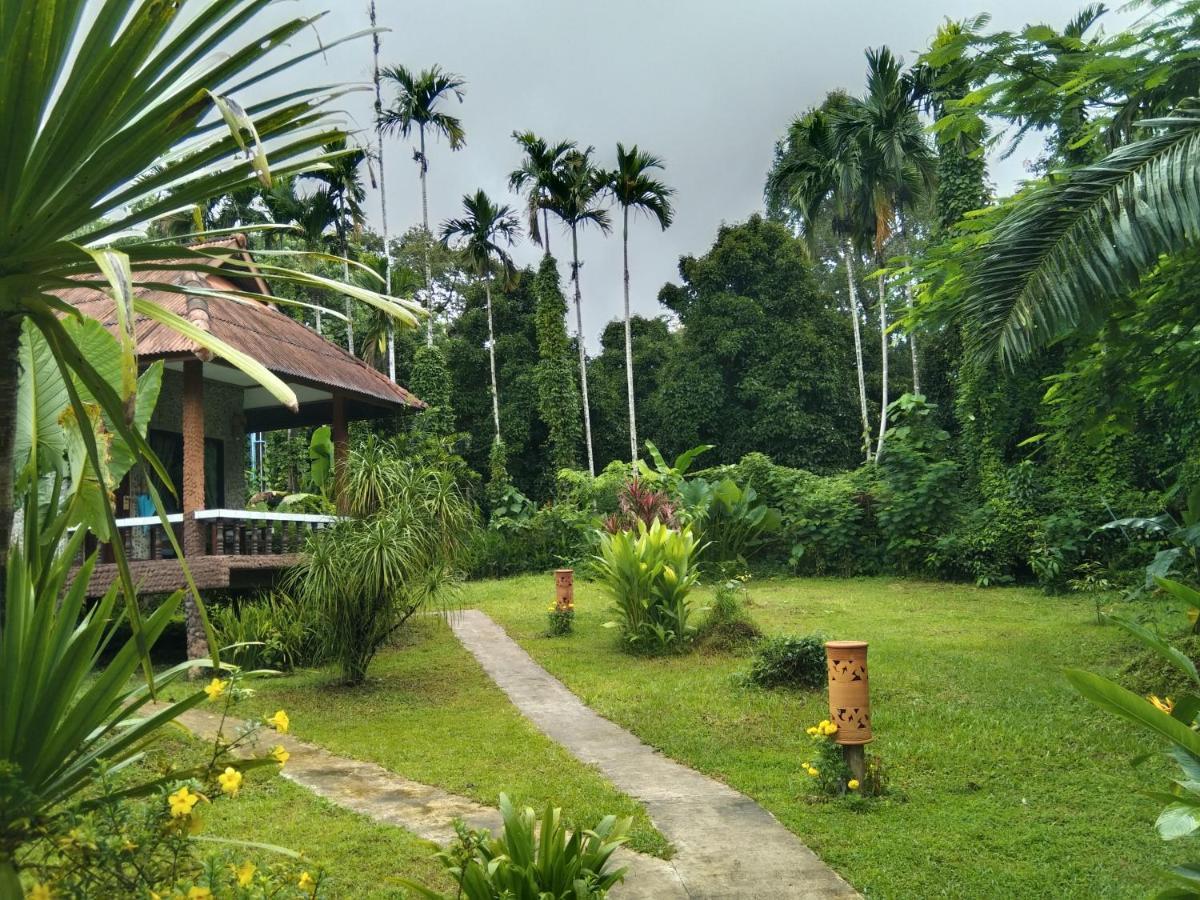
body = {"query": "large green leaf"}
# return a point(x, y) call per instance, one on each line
point(41, 400)
point(1116, 699)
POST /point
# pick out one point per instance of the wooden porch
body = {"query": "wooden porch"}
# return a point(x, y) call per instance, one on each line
point(237, 549)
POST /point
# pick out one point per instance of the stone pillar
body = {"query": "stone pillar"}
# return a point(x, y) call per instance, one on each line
point(340, 433)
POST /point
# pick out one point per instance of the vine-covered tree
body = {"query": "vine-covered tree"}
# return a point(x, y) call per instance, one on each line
point(558, 392)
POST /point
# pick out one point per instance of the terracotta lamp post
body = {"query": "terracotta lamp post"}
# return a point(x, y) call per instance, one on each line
point(564, 589)
point(850, 701)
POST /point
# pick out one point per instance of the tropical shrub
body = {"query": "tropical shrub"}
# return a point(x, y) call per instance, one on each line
point(638, 503)
point(919, 484)
point(532, 859)
point(733, 523)
point(272, 631)
point(649, 574)
point(728, 626)
point(831, 525)
point(557, 535)
point(364, 578)
point(789, 661)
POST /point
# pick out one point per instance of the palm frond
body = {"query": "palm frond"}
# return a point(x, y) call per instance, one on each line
point(1084, 238)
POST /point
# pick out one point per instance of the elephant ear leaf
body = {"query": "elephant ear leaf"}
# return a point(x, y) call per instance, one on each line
point(41, 401)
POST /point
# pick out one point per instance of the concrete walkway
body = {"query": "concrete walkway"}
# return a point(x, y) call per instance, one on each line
point(727, 846)
point(426, 811)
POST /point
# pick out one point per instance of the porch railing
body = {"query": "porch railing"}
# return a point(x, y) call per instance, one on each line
point(226, 532)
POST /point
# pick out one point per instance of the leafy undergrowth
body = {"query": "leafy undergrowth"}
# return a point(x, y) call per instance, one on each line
point(430, 713)
point(1003, 781)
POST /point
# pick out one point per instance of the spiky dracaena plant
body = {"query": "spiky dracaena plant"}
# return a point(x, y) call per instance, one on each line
point(123, 112)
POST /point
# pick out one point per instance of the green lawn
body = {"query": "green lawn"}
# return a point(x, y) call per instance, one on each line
point(430, 713)
point(1004, 783)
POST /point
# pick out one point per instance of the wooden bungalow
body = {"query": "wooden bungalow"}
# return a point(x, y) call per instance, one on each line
point(200, 426)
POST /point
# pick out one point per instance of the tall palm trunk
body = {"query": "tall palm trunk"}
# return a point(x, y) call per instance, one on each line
point(387, 247)
point(428, 239)
point(883, 365)
point(851, 282)
point(908, 305)
point(587, 414)
point(633, 441)
point(546, 230)
point(348, 307)
point(10, 337)
point(487, 287)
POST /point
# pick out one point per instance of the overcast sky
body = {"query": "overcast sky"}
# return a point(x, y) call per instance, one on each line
point(705, 84)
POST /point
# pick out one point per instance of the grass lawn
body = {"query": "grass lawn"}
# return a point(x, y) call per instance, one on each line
point(430, 713)
point(1004, 782)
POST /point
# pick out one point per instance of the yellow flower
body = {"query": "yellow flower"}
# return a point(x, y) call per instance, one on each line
point(1167, 705)
point(813, 771)
point(245, 873)
point(181, 802)
point(306, 882)
point(40, 892)
point(829, 728)
point(852, 784)
point(281, 755)
point(230, 780)
point(280, 721)
point(216, 688)
point(200, 893)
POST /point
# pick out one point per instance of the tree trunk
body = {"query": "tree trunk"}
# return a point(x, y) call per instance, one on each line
point(583, 387)
point(387, 247)
point(851, 282)
point(10, 337)
point(883, 365)
point(428, 241)
point(546, 230)
point(908, 305)
point(349, 303)
point(487, 287)
point(633, 441)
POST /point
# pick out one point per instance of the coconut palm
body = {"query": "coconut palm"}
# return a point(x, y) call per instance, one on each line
point(419, 97)
point(897, 164)
point(632, 186)
point(535, 177)
point(574, 195)
point(1080, 240)
point(817, 177)
point(484, 233)
point(342, 186)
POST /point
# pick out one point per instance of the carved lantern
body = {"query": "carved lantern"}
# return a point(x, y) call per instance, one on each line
point(849, 696)
point(564, 589)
